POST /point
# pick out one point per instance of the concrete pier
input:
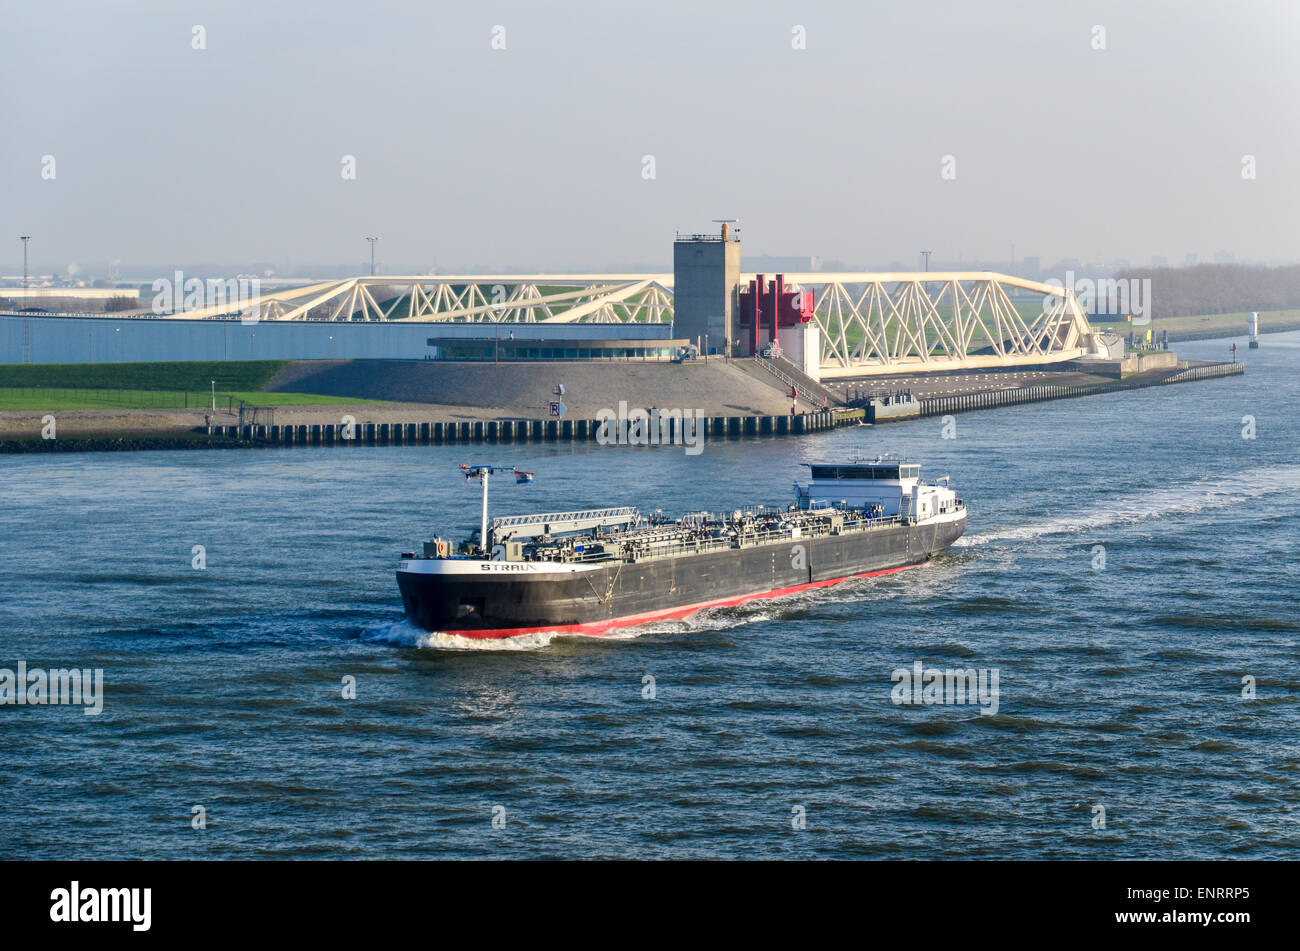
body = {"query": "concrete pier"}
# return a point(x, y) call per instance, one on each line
point(990, 399)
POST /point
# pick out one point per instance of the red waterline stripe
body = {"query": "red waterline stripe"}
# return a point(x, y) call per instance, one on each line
point(601, 627)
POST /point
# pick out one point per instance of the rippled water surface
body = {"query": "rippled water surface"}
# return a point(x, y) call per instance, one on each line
point(1120, 686)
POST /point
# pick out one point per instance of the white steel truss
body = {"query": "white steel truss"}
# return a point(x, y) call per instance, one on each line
point(556, 298)
point(867, 321)
point(933, 320)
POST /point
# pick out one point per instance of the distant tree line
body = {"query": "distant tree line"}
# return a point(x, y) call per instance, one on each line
point(1218, 288)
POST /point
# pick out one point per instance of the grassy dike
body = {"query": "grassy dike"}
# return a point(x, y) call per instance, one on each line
point(142, 387)
point(231, 376)
point(40, 399)
point(52, 387)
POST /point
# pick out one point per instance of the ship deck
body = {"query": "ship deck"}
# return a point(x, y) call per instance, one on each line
point(654, 542)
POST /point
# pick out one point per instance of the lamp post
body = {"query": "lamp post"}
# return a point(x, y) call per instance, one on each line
point(372, 241)
point(926, 255)
point(496, 331)
point(24, 238)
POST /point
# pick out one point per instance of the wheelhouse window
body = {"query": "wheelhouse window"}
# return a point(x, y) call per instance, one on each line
point(863, 472)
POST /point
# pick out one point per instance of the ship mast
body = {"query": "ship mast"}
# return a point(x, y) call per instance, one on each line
point(482, 532)
point(483, 473)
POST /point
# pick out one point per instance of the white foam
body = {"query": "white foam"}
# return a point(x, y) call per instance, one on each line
point(405, 634)
point(454, 642)
point(710, 619)
point(1186, 499)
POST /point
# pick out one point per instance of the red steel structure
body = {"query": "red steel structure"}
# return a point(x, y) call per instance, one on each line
point(768, 302)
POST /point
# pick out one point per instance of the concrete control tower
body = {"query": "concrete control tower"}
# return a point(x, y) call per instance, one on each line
point(706, 272)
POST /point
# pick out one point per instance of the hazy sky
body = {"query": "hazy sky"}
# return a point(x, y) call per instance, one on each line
point(469, 156)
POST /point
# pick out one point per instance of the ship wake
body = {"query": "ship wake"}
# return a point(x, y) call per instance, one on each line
point(1171, 501)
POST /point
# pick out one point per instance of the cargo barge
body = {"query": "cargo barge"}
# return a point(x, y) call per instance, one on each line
point(595, 570)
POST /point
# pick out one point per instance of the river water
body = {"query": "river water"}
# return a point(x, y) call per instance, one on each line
point(771, 731)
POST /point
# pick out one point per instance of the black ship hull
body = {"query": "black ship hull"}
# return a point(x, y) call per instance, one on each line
point(482, 599)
